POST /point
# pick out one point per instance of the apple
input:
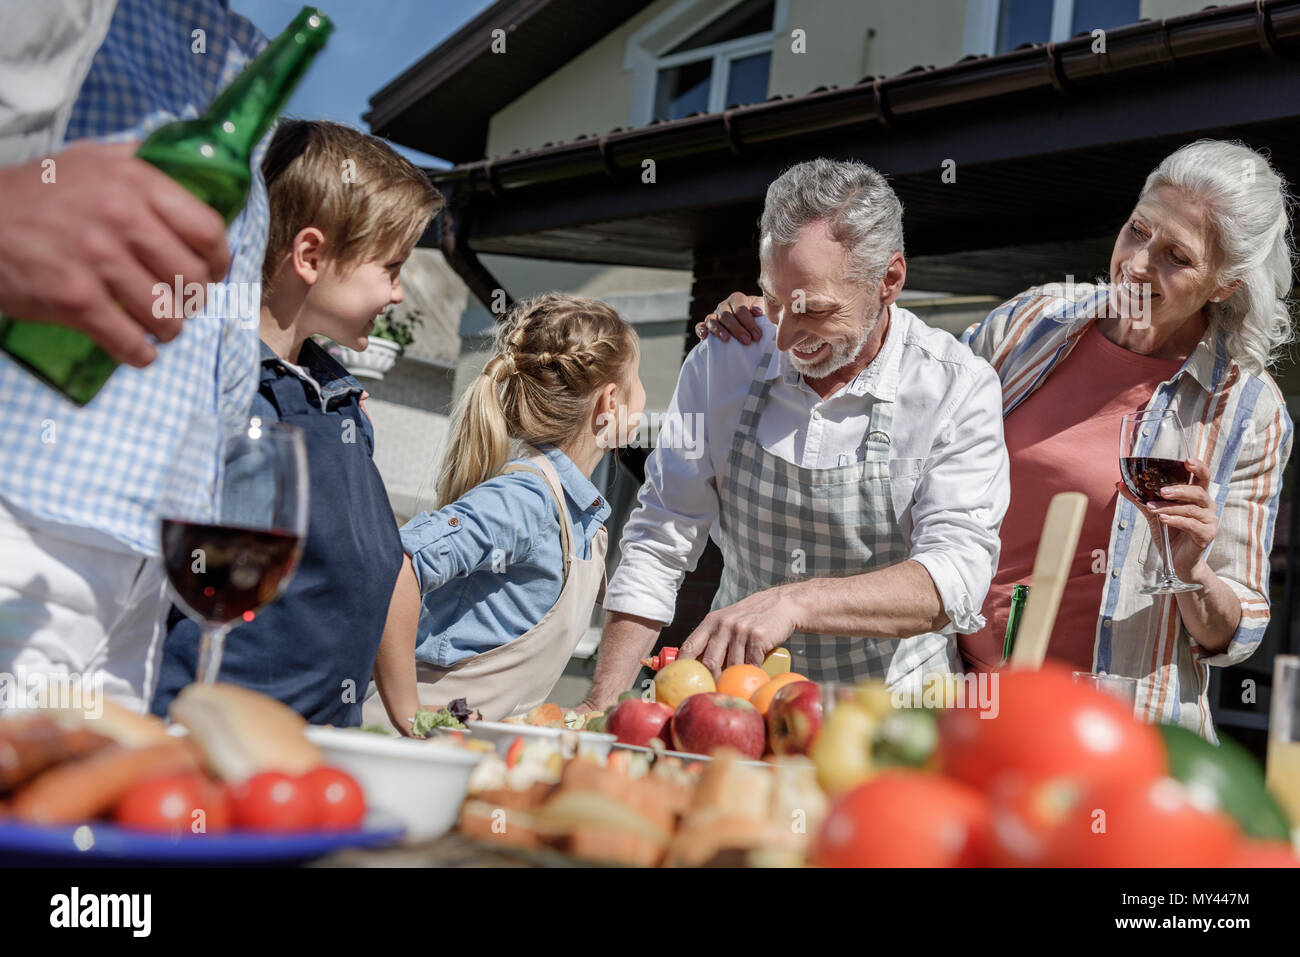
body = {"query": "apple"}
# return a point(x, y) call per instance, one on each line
point(636, 721)
point(712, 720)
point(794, 718)
point(680, 679)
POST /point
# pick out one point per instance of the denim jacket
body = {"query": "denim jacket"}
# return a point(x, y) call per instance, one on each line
point(490, 564)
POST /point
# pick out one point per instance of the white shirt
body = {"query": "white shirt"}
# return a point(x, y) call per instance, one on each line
point(947, 461)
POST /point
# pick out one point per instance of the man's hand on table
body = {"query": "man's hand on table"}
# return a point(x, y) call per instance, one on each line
point(86, 250)
point(744, 632)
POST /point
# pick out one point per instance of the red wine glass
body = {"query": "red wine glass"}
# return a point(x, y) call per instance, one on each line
point(229, 551)
point(1153, 454)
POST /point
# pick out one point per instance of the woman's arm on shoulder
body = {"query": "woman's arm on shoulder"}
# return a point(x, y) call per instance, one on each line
point(987, 337)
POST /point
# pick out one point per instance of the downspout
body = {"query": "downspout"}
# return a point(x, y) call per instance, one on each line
point(453, 233)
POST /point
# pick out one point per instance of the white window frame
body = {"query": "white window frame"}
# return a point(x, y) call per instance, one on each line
point(980, 31)
point(645, 48)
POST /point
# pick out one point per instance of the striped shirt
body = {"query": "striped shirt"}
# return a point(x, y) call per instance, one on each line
point(1237, 423)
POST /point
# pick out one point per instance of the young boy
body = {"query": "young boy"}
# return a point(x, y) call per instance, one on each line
point(345, 213)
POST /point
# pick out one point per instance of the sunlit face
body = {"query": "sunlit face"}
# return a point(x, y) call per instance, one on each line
point(823, 317)
point(343, 304)
point(1166, 245)
point(619, 428)
point(634, 397)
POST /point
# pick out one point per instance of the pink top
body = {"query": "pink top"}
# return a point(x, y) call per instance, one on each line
point(1065, 437)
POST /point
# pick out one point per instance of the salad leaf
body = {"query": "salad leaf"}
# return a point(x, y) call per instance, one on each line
point(425, 721)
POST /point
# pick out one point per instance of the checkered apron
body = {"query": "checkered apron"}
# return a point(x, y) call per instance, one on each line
point(780, 522)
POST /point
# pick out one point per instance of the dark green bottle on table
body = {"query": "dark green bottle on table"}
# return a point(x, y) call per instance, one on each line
point(210, 157)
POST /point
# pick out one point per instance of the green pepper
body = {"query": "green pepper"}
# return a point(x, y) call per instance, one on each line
point(1231, 774)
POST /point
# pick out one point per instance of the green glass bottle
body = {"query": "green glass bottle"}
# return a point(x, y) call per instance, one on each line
point(1019, 596)
point(210, 157)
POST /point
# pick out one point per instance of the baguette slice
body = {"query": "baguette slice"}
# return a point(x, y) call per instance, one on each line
point(243, 732)
point(609, 845)
point(481, 821)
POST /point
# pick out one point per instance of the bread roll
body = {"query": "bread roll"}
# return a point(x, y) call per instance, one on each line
point(243, 732)
point(116, 723)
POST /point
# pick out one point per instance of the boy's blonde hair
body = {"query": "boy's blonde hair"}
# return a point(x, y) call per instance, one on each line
point(353, 187)
point(553, 353)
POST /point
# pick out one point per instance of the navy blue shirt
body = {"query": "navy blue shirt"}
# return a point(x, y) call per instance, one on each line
point(314, 647)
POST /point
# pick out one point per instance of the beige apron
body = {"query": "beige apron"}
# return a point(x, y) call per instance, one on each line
point(516, 677)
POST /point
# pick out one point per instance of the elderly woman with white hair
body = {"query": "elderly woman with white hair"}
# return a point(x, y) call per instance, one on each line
point(1191, 319)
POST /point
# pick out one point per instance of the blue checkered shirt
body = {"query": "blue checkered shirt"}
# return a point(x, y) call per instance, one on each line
point(104, 467)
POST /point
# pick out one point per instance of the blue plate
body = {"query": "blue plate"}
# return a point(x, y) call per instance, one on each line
point(99, 844)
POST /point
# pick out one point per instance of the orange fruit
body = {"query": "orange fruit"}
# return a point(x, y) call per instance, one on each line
point(761, 698)
point(741, 681)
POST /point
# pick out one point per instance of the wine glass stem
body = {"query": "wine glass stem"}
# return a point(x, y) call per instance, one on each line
point(210, 647)
point(1167, 555)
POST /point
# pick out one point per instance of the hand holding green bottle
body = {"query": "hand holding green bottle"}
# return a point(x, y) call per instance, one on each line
point(85, 250)
point(210, 157)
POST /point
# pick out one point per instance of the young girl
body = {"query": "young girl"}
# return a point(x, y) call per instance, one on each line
point(498, 584)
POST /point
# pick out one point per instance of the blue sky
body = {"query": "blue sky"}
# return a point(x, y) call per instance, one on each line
point(373, 42)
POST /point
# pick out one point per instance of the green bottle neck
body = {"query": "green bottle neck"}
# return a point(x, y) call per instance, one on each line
point(245, 110)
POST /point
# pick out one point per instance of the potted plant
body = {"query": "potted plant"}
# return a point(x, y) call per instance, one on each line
point(389, 339)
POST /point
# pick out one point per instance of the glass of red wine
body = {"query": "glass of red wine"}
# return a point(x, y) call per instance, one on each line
point(1153, 454)
point(230, 550)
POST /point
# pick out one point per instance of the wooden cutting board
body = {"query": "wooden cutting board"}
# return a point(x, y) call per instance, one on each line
point(1051, 569)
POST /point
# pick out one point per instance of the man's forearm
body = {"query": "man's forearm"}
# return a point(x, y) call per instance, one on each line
point(624, 641)
point(894, 602)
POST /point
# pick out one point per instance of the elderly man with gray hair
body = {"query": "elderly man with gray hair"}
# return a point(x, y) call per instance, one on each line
point(852, 472)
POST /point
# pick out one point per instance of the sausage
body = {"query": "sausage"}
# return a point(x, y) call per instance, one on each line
point(86, 788)
point(29, 746)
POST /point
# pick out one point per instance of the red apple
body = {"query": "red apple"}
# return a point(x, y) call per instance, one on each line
point(639, 722)
point(712, 720)
point(794, 718)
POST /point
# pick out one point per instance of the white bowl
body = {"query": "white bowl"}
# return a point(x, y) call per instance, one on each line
point(421, 783)
point(501, 734)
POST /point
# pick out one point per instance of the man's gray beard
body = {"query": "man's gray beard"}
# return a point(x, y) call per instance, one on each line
point(841, 355)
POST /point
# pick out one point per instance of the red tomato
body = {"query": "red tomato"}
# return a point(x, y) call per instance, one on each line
point(1142, 824)
point(1264, 854)
point(273, 801)
point(904, 819)
point(513, 752)
point(177, 803)
point(340, 804)
point(1043, 725)
point(1025, 815)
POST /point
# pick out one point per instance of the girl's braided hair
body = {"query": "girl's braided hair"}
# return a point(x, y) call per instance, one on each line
point(553, 353)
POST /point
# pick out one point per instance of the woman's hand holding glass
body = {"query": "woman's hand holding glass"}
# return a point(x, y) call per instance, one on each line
point(1190, 515)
